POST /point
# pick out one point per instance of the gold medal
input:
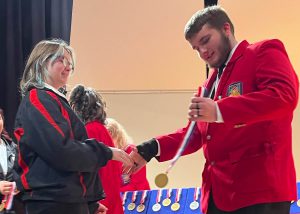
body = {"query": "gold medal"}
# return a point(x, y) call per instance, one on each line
point(166, 202)
point(140, 208)
point(298, 203)
point(156, 207)
point(194, 205)
point(161, 180)
point(131, 206)
point(175, 206)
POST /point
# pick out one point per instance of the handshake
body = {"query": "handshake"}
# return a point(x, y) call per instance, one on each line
point(139, 156)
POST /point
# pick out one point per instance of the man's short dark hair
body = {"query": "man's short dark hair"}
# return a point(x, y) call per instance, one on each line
point(214, 16)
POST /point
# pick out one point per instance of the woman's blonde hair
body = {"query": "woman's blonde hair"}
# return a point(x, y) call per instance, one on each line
point(45, 51)
point(118, 133)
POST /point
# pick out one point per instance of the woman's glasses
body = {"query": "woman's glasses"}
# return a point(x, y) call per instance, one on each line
point(66, 63)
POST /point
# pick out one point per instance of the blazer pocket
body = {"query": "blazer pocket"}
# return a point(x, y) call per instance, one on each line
point(255, 151)
point(253, 169)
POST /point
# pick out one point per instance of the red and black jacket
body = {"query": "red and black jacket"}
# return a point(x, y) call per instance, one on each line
point(55, 159)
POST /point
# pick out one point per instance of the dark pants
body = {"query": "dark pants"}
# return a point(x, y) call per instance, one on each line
point(267, 208)
point(50, 207)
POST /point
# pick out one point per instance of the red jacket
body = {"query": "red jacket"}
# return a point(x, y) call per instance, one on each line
point(249, 156)
point(109, 174)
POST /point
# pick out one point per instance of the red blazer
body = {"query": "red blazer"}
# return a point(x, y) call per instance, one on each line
point(109, 174)
point(249, 156)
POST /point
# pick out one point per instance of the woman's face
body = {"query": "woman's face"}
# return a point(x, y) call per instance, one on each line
point(1, 124)
point(59, 71)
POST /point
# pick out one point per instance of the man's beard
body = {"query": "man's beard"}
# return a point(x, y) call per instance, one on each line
point(224, 50)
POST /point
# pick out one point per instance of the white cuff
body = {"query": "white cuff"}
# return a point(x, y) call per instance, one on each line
point(219, 114)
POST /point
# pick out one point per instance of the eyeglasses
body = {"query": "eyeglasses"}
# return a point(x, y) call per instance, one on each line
point(66, 63)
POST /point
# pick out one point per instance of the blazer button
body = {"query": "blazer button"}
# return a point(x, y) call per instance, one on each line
point(212, 163)
point(208, 137)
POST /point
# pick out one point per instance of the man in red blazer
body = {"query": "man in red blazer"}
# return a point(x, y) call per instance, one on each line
point(244, 127)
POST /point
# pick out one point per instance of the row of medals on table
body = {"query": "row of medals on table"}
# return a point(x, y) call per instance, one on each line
point(166, 202)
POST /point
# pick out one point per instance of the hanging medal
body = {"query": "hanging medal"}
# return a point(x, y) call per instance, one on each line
point(167, 201)
point(156, 207)
point(176, 205)
point(195, 204)
point(131, 205)
point(124, 197)
point(141, 207)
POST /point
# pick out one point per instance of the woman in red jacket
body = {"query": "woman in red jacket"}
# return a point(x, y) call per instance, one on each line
point(137, 181)
point(90, 107)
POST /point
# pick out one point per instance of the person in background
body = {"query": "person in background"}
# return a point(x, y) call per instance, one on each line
point(90, 108)
point(138, 180)
point(57, 164)
point(244, 126)
point(8, 150)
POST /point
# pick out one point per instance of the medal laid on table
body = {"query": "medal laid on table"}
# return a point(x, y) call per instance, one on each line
point(156, 207)
point(176, 205)
point(141, 207)
point(167, 201)
point(124, 197)
point(195, 204)
point(131, 205)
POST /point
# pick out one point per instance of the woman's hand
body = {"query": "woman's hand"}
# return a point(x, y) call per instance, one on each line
point(6, 187)
point(101, 209)
point(122, 156)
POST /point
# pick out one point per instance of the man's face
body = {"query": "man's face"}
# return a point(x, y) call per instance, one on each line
point(213, 46)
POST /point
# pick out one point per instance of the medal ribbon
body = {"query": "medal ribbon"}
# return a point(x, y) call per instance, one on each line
point(144, 195)
point(169, 193)
point(202, 92)
point(124, 197)
point(178, 194)
point(196, 193)
point(158, 197)
point(133, 196)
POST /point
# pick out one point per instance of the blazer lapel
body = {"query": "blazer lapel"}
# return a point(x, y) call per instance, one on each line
point(230, 65)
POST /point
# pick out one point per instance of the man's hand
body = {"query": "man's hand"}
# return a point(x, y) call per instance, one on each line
point(203, 109)
point(139, 161)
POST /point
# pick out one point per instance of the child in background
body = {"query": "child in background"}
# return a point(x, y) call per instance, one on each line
point(7, 157)
point(137, 181)
point(90, 107)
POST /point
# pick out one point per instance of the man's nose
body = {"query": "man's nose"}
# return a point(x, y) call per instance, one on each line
point(202, 52)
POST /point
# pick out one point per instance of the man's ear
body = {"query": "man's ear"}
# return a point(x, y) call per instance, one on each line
point(227, 28)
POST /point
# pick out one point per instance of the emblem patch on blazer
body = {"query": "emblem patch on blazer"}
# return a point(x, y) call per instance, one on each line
point(235, 89)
